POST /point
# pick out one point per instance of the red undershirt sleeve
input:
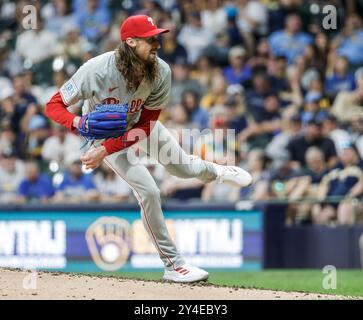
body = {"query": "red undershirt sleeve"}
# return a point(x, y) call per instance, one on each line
point(56, 110)
point(139, 132)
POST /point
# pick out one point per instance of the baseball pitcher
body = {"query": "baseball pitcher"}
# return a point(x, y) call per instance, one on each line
point(124, 92)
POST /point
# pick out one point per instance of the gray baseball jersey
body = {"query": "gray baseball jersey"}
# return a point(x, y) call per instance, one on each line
point(99, 81)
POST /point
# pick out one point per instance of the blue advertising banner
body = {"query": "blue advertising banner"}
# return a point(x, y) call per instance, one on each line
point(95, 241)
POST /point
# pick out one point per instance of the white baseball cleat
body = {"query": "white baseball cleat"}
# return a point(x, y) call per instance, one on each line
point(185, 273)
point(233, 175)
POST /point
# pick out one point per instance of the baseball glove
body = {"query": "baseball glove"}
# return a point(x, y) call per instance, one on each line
point(106, 121)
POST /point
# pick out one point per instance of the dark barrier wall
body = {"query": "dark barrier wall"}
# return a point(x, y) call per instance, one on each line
point(308, 246)
point(274, 222)
point(318, 246)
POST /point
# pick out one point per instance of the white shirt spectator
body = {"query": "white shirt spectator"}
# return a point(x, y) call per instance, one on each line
point(255, 11)
point(340, 138)
point(10, 181)
point(115, 187)
point(6, 88)
point(214, 20)
point(66, 152)
point(36, 46)
point(276, 149)
point(194, 40)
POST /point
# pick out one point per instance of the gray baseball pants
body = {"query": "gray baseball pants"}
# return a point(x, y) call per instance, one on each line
point(161, 146)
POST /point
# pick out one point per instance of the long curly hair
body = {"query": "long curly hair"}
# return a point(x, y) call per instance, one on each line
point(133, 68)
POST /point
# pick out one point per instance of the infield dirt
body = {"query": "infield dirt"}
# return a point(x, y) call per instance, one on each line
point(18, 284)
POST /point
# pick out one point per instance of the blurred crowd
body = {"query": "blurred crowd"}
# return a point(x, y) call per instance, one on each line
point(291, 90)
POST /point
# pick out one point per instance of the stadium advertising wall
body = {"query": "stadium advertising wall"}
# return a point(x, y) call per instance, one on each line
point(95, 241)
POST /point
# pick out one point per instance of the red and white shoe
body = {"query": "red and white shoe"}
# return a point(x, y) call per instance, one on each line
point(185, 273)
point(233, 175)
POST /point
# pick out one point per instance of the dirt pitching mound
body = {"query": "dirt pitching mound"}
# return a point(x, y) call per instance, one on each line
point(18, 284)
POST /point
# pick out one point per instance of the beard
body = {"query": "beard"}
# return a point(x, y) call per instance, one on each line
point(134, 68)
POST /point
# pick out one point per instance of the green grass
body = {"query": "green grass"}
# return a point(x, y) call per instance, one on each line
point(349, 282)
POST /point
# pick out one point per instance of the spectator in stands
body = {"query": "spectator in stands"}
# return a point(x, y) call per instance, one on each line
point(37, 132)
point(310, 78)
point(190, 100)
point(110, 186)
point(61, 16)
point(76, 186)
point(59, 77)
point(312, 108)
point(312, 58)
point(12, 172)
point(36, 187)
point(267, 122)
point(7, 139)
point(10, 61)
point(38, 44)
point(316, 168)
point(252, 17)
point(313, 136)
point(25, 102)
point(217, 145)
point(61, 145)
point(346, 181)
point(307, 186)
point(277, 148)
point(217, 94)
point(259, 60)
point(179, 118)
point(333, 130)
point(283, 180)
point(276, 68)
point(7, 105)
point(214, 16)
point(293, 95)
point(291, 41)
point(204, 71)
point(349, 42)
point(349, 104)
point(93, 20)
point(182, 81)
point(238, 71)
point(171, 51)
point(194, 37)
point(71, 46)
point(235, 102)
point(323, 49)
point(235, 37)
point(178, 122)
point(256, 95)
point(341, 79)
point(151, 8)
point(256, 165)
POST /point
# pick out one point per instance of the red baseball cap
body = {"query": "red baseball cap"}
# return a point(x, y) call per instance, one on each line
point(139, 26)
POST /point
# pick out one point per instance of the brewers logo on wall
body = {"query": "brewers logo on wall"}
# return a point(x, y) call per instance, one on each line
point(109, 243)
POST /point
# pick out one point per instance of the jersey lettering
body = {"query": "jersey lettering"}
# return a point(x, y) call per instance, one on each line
point(136, 105)
point(110, 100)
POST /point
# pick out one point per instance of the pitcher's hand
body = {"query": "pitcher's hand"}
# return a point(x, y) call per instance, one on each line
point(94, 157)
